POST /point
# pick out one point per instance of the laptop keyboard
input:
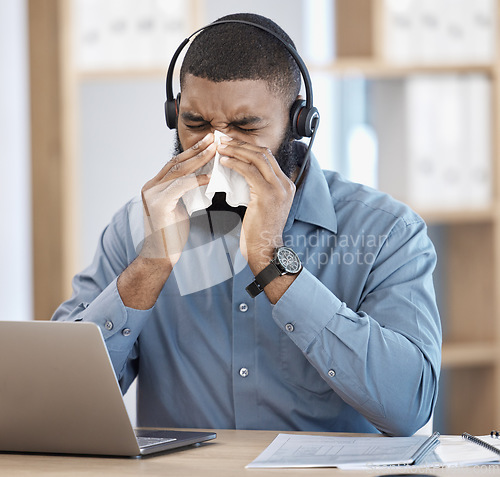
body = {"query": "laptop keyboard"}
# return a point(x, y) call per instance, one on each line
point(153, 441)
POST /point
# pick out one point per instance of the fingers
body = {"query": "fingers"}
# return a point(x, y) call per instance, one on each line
point(252, 162)
point(166, 222)
point(174, 188)
point(180, 186)
point(161, 201)
point(188, 161)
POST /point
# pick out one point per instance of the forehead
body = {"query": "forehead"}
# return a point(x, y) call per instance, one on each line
point(231, 98)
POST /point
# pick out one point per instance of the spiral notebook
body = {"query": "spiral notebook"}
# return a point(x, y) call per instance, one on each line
point(468, 450)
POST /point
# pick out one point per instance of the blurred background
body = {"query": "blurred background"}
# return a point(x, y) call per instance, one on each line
point(408, 96)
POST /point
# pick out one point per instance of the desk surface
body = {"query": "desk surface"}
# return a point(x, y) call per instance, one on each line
point(225, 456)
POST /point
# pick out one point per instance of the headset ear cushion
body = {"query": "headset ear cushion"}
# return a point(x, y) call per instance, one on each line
point(295, 113)
point(303, 119)
point(172, 111)
point(307, 121)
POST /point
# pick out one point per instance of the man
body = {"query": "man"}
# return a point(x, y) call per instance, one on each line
point(351, 342)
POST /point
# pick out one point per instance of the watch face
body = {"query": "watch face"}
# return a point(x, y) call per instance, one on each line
point(288, 259)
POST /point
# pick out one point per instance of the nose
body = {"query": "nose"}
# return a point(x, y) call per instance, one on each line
point(223, 128)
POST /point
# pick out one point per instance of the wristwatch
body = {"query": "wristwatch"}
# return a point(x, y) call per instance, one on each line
point(285, 262)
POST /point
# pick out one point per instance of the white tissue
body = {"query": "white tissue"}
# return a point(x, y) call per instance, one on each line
point(223, 180)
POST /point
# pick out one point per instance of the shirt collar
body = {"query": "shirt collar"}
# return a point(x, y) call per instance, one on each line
point(313, 202)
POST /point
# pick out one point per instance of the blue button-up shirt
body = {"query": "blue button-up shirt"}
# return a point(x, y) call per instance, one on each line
point(353, 344)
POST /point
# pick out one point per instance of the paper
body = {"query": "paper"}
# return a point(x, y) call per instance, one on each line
point(455, 450)
point(223, 179)
point(291, 450)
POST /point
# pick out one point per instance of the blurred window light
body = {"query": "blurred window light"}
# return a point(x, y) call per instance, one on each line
point(362, 155)
point(327, 145)
point(319, 20)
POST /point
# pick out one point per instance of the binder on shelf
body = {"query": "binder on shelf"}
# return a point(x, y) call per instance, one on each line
point(387, 116)
point(88, 33)
point(453, 48)
point(477, 158)
point(170, 29)
point(116, 30)
point(399, 28)
point(425, 163)
point(403, 116)
point(434, 137)
point(439, 31)
point(450, 139)
point(141, 40)
point(480, 23)
point(126, 34)
point(429, 32)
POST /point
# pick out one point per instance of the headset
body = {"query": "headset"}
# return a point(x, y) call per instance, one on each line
point(304, 117)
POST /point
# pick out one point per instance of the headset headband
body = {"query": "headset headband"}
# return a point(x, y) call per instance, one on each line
point(290, 48)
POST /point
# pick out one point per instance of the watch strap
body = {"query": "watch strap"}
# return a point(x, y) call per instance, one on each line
point(262, 279)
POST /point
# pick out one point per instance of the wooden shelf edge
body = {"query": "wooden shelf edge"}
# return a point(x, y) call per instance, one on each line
point(116, 74)
point(373, 68)
point(467, 355)
point(365, 67)
point(457, 216)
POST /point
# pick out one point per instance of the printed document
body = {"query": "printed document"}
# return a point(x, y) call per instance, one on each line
point(295, 450)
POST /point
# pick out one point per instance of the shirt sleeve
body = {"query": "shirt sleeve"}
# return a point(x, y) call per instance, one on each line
point(384, 357)
point(96, 299)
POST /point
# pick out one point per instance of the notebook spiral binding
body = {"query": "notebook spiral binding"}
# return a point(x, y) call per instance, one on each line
point(480, 442)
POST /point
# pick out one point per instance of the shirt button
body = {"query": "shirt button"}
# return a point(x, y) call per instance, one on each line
point(243, 307)
point(331, 373)
point(289, 327)
point(126, 332)
point(108, 325)
point(244, 372)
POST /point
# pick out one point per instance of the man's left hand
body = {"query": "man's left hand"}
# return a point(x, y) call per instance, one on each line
point(271, 197)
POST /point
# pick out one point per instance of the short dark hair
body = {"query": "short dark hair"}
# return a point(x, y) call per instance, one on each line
point(235, 51)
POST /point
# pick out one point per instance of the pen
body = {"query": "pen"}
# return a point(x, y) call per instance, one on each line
point(429, 445)
point(480, 442)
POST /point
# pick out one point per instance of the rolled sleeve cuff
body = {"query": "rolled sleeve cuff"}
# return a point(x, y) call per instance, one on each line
point(305, 309)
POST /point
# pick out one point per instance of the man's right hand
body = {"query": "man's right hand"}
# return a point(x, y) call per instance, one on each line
point(166, 225)
point(166, 222)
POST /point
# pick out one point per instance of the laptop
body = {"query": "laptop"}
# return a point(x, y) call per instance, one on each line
point(59, 394)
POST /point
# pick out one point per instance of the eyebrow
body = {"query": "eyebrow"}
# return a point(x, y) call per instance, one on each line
point(243, 121)
point(246, 120)
point(195, 118)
